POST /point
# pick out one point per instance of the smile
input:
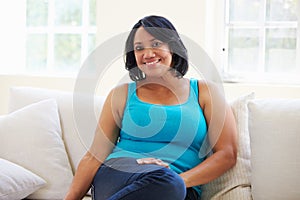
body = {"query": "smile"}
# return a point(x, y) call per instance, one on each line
point(152, 63)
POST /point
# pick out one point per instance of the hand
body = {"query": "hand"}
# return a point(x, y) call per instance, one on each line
point(156, 161)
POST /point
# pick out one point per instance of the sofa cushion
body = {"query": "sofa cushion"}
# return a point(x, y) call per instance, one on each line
point(78, 121)
point(17, 182)
point(235, 183)
point(274, 127)
point(30, 137)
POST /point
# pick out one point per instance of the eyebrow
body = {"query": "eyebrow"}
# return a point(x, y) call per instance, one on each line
point(141, 42)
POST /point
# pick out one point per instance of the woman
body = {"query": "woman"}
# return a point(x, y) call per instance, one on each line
point(151, 131)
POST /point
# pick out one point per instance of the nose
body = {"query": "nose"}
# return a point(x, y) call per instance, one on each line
point(149, 53)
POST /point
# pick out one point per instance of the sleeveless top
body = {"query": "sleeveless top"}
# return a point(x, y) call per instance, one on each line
point(172, 133)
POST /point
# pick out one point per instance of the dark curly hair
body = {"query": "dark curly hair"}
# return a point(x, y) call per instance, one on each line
point(162, 29)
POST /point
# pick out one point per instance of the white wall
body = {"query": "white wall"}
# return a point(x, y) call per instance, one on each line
point(7, 81)
point(117, 16)
point(234, 90)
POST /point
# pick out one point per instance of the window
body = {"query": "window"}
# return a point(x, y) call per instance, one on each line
point(57, 36)
point(262, 40)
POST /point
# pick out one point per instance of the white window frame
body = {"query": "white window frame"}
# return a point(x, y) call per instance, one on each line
point(84, 31)
point(261, 75)
point(15, 39)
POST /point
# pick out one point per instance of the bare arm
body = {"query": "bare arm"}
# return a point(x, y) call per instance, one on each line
point(222, 135)
point(105, 137)
point(83, 177)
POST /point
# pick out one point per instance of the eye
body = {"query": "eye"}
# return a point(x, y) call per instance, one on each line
point(138, 48)
point(156, 44)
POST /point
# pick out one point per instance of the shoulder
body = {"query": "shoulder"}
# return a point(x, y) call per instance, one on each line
point(117, 98)
point(120, 89)
point(209, 86)
point(118, 94)
point(209, 92)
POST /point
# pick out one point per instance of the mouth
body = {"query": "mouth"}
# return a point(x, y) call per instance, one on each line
point(152, 63)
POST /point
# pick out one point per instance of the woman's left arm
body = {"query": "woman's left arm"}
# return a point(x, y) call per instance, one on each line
point(222, 136)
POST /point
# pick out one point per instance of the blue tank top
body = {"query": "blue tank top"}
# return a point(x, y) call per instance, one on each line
point(172, 133)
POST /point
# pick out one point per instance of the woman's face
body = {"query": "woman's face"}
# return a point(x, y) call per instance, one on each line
point(152, 56)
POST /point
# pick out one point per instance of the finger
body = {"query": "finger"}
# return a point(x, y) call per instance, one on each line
point(139, 161)
point(146, 160)
point(152, 161)
point(161, 163)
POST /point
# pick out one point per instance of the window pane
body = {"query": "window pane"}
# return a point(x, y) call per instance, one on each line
point(281, 47)
point(36, 12)
point(244, 10)
point(92, 13)
point(36, 52)
point(68, 13)
point(281, 10)
point(67, 52)
point(243, 50)
point(91, 42)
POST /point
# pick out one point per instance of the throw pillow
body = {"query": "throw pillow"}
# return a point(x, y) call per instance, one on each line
point(77, 133)
point(17, 182)
point(275, 148)
point(31, 137)
point(235, 183)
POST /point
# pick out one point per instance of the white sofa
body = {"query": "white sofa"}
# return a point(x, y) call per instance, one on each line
point(47, 132)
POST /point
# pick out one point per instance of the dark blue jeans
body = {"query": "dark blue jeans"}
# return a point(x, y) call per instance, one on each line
point(124, 179)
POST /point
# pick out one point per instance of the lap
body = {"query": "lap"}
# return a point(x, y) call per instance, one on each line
point(115, 174)
point(129, 165)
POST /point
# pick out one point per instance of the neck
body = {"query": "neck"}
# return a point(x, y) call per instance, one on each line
point(167, 80)
point(161, 83)
point(169, 92)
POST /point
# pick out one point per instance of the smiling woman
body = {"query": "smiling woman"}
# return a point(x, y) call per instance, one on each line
point(152, 131)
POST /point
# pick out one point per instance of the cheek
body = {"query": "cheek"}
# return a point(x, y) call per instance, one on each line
point(168, 57)
point(137, 57)
point(166, 53)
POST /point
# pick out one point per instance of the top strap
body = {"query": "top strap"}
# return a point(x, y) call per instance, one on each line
point(194, 85)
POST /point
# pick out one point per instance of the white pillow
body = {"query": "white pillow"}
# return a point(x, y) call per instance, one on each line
point(77, 137)
point(30, 137)
point(235, 183)
point(17, 182)
point(274, 126)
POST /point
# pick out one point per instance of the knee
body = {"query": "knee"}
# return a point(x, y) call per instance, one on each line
point(171, 183)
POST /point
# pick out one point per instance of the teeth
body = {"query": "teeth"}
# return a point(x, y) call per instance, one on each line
point(151, 63)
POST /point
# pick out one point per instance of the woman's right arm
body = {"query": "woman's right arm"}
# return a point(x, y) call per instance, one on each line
point(85, 172)
point(106, 135)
